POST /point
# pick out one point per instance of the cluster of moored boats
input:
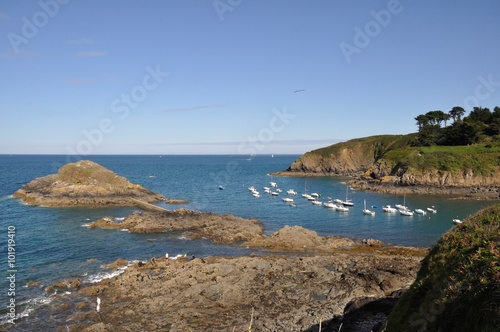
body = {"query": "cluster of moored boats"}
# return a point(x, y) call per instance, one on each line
point(339, 204)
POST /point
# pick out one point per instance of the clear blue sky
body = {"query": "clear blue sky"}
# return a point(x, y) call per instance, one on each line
point(192, 77)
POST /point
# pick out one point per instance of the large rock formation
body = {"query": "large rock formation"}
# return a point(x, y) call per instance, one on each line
point(85, 183)
point(346, 158)
point(389, 164)
point(458, 285)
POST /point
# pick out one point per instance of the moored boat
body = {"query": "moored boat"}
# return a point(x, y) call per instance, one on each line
point(367, 211)
point(389, 209)
point(342, 208)
point(406, 212)
point(432, 209)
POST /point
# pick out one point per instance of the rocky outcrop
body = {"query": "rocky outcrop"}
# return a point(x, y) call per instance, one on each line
point(194, 225)
point(258, 293)
point(84, 183)
point(298, 239)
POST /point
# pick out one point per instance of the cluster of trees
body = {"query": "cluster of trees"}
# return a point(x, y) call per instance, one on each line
point(480, 125)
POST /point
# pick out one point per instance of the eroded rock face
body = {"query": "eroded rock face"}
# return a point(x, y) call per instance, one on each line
point(270, 293)
point(348, 162)
point(84, 183)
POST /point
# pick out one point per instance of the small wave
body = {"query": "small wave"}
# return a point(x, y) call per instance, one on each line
point(27, 308)
point(95, 278)
point(182, 238)
point(125, 230)
point(85, 225)
point(119, 219)
point(152, 176)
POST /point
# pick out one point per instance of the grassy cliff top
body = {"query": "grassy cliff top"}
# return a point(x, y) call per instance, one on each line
point(382, 143)
point(458, 285)
point(480, 158)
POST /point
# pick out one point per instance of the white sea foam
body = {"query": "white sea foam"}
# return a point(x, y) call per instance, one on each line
point(95, 278)
point(125, 230)
point(28, 307)
point(182, 238)
point(85, 225)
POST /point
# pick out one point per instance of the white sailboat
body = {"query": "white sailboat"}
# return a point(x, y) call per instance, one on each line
point(305, 194)
point(403, 209)
point(367, 211)
point(347, 201)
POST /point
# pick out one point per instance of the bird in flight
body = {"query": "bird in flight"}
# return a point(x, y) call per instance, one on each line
point(299, 90)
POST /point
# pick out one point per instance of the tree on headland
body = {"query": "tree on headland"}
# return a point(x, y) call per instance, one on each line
point(422, 121)
point(456, 113)
point(480, 125)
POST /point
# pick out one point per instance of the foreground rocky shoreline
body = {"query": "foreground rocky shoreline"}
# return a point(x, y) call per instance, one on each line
point(284, 293)
point(304, 280)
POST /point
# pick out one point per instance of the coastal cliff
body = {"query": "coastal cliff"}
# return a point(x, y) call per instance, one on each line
point(389, 164)
point(85, 183)
point(346, 158)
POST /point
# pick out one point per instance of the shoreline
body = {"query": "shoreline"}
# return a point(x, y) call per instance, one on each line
point(488, 193)
point(291, 291)
point(294, 279)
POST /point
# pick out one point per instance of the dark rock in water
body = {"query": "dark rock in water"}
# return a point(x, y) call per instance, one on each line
point(85, 183)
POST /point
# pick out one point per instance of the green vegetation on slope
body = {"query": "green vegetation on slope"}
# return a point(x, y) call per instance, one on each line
point(458, 285)
point(481, 159)
point(381, 143)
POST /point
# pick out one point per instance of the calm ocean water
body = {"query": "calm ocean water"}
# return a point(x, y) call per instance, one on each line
point(52, 243)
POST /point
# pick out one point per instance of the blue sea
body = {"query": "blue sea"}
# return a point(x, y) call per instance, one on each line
point(53, 244)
